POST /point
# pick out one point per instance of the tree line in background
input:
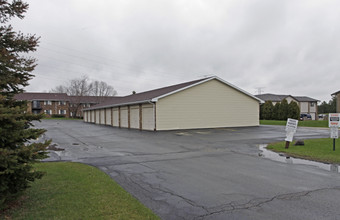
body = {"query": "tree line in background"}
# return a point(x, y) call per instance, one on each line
point(329, 107)
point(279, 111)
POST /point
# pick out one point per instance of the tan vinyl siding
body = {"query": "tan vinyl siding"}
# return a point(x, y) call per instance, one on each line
point(108, 116)
point(124, 117)
point(304, 107)
point(208, 105)
point(290, 99)
point(147, 117)
point(115, 117)
point(134, 117)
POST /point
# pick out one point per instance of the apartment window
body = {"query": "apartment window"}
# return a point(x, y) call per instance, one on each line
point(312, 104)
point(62, 103)
point(48, 111)
point(62, 112)
point(48, 102)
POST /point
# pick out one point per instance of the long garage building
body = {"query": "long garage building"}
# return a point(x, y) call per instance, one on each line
point(204, 103)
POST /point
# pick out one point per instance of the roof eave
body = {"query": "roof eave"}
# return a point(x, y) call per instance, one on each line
point(117, 105)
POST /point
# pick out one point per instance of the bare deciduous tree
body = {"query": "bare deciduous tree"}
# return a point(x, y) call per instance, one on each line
point(80, 87)
point(102, 89)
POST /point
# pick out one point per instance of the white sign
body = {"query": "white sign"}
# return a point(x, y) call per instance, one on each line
point(289, 136)
point(291, 125)
point(334, 132)
point(334, 120)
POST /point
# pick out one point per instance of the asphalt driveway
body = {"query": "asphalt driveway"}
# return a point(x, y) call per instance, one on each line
point(203, 174)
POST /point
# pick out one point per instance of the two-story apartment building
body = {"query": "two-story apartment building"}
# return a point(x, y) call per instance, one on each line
point(48, 103)
point(59, 103)
point(306, 104)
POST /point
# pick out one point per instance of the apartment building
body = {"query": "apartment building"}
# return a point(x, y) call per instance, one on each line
point(306, 104)
point(59, 103)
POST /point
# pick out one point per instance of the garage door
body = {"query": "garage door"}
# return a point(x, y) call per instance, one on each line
point(115, 115)
point(97, 113)
point(102, 116)
point(134, 117)
point(147, 117)
point(92, 115)
point(108, 116)
point(124, 117)
point(85, 117)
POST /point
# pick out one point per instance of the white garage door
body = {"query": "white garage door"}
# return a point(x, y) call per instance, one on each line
point(115, 115)
point(134, 117)
point(85, 116)
point(92, 116)
point(102, 116)
point(124, 117)
point(97, 113)
point(147, 117)
point(108, 116)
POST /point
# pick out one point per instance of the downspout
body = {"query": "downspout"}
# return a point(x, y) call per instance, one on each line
point(153, 114)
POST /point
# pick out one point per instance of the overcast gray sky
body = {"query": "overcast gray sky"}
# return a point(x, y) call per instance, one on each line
point(286, 47)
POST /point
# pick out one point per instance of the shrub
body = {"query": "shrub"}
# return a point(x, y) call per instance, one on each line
point(58, 116)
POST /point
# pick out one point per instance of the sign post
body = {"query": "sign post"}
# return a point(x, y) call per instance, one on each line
point(334, 124)
point(291, 127)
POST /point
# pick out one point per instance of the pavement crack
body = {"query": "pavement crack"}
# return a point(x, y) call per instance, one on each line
point(258, 202)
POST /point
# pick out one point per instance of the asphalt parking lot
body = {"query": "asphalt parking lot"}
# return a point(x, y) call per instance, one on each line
point(203, 174)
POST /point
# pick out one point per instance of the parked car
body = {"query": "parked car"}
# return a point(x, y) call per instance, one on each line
point(323, 117)
point(305, 117)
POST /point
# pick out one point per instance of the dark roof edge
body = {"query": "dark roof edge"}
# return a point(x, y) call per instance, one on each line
point(117, 105)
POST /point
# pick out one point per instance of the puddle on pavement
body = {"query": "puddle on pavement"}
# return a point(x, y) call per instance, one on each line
point(290, 160)
point(183, 134)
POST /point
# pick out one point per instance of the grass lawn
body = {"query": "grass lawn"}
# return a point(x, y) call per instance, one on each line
point(315, 149)
point(310, 123)
point(77, 191)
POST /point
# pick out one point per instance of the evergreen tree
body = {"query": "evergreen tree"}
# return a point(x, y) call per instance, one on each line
point(276, 111)
point(17, 152)
point(283, 110)
point(293, 110)
point(267, 110)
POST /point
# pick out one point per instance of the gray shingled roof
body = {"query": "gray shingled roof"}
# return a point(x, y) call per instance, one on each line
point(279, 98)
point(305, 99)
point(92, 99)
point(144, 97)
point(40, 96)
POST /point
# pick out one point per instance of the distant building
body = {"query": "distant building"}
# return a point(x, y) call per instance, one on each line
point(59, 103)
point(337, 95)
point(306, 104)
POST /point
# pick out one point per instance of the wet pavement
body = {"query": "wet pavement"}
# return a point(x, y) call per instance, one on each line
point(203, 174)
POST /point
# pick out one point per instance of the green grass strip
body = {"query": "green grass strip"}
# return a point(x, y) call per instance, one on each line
point(77, 191)
point(309, 123)
point(316, 149)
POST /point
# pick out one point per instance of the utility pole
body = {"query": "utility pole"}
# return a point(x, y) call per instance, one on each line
point(259, 90)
